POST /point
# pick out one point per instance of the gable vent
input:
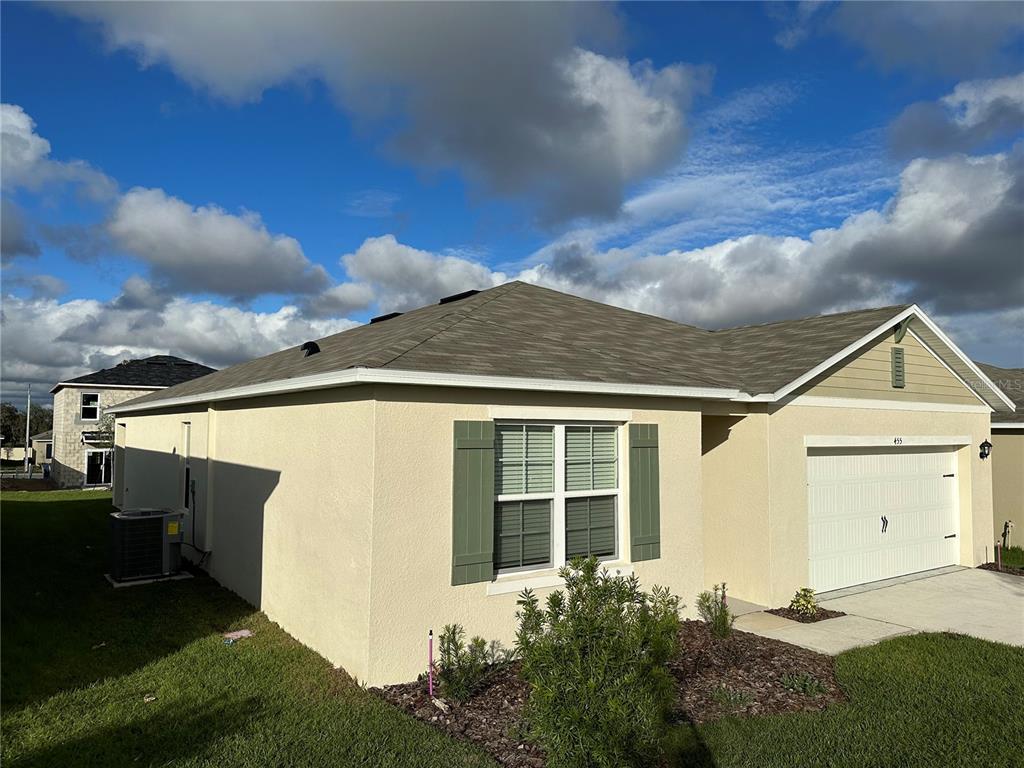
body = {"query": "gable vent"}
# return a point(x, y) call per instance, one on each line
point(899, 370)
point(382, 318)
point(458, 297)
point(310, 348)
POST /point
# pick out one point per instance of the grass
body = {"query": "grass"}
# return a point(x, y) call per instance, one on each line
point(78, 660)
point(1014, 557)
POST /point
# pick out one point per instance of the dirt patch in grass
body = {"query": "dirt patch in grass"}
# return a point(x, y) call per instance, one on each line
point(820, 615)
point(24, 484)
point(743, 675)
point(1005, 569)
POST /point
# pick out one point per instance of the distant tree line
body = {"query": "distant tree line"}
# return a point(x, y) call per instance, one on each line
point(12, 423)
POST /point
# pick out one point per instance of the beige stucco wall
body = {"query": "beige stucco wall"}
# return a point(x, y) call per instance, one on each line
point(788, 540)
point(288, 481)
point(68, 465)
point(412, 536)
point(736, 493)
point(1008, 483)
point(869, 375)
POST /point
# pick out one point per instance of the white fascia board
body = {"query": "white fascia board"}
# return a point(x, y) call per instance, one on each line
point(1007, 425)
point(927, 321)
point(83, 385)
point(355, 376)
point(884, 441)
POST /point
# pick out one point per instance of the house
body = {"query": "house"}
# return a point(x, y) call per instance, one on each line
point(441, 460)
point(1008, 454)
point(81, 454)
point(42, 447)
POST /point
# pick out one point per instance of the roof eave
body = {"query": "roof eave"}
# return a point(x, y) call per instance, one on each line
point(356, 376)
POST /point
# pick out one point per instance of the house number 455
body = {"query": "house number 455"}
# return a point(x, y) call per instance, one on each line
point(897, 441)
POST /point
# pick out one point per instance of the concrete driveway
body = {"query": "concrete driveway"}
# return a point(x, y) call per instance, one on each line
point(969, 601)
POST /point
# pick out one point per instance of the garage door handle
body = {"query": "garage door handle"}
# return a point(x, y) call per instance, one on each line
point(885, 523)
point(949, 475)
point(951, 536)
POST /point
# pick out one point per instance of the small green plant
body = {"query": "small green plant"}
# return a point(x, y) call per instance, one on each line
point(714, 609)
point(595, 658)
point(461, 668)
point(804, 683)
point(804, 602)
point(732, 699)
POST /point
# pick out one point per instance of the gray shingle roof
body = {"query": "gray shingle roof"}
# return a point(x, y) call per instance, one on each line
point(1011, 381)
point(518, 329)
point(155, 371)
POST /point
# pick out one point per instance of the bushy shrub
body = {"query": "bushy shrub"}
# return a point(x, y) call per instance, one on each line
point(461, 668)
point(714, 609)
point(595, 658)
point(804, 602)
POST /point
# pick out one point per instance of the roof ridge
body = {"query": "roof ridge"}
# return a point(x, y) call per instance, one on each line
point(812, 317)
point(460, 314)
point(606, 353)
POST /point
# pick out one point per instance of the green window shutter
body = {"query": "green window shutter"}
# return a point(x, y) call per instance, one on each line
point(473, 502)
point(644, 493)
point(899, 370)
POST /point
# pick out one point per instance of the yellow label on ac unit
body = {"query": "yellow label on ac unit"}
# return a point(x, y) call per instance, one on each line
point(172, 527)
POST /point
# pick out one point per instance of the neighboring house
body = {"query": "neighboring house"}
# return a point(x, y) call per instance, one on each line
point(82, 451)
point(439, 461)
point(1008, 454)
point(42, 447)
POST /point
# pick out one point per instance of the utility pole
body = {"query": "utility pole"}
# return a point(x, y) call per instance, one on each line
point(28, 423)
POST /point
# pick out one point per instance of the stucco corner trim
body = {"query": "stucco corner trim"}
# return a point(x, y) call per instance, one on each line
point(884, 441)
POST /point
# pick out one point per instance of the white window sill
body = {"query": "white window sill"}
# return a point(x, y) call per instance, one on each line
point(517, 582)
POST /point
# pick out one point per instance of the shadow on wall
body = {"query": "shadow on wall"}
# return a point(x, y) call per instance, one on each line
point(65, 476)
point(237, 495)
point(714, 430)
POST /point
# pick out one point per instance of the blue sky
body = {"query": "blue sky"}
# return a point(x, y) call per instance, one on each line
point(209, 166)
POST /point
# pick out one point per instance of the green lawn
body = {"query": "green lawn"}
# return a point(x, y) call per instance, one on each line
point(78, 658)
point(1014, 557)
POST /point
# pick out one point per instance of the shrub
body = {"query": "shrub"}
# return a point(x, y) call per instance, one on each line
point(595, 658)
point(462, 668)
point(804, 602)
point(804, 683)
point(714, 609)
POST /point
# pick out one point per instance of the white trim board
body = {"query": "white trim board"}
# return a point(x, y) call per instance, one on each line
point(819, 401)
point(884, 441)
point(354, 376)
point(88, 385)
point(1007, 425)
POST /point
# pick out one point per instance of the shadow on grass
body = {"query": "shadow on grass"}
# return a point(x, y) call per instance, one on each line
point(64, 626)
point(170, 734)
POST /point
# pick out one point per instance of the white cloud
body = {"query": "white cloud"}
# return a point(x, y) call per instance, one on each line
point(339, 300)
point(25, 160)
point(505, 93)
point(372, 204)
point(973, 102)
point(84, 335)
point(403, 277)
point(206, 249)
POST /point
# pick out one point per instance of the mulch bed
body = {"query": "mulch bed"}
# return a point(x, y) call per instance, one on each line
point(820, 615)
point(749, 666)
point(1005, 569)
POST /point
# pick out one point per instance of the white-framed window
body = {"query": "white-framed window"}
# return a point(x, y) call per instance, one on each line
point(90, 410)
point(558, 493)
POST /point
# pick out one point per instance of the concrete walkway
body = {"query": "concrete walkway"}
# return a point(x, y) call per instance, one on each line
point(972, 602)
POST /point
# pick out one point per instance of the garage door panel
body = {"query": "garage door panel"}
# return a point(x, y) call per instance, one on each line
point(850, 491)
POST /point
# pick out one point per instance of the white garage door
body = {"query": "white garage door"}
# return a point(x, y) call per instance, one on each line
point(876, 513)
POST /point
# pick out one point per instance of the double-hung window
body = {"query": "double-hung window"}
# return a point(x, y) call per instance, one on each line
point(558, 493)
point(90, 406)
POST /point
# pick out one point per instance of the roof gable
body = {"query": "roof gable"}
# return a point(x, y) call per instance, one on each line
point(157, 371)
